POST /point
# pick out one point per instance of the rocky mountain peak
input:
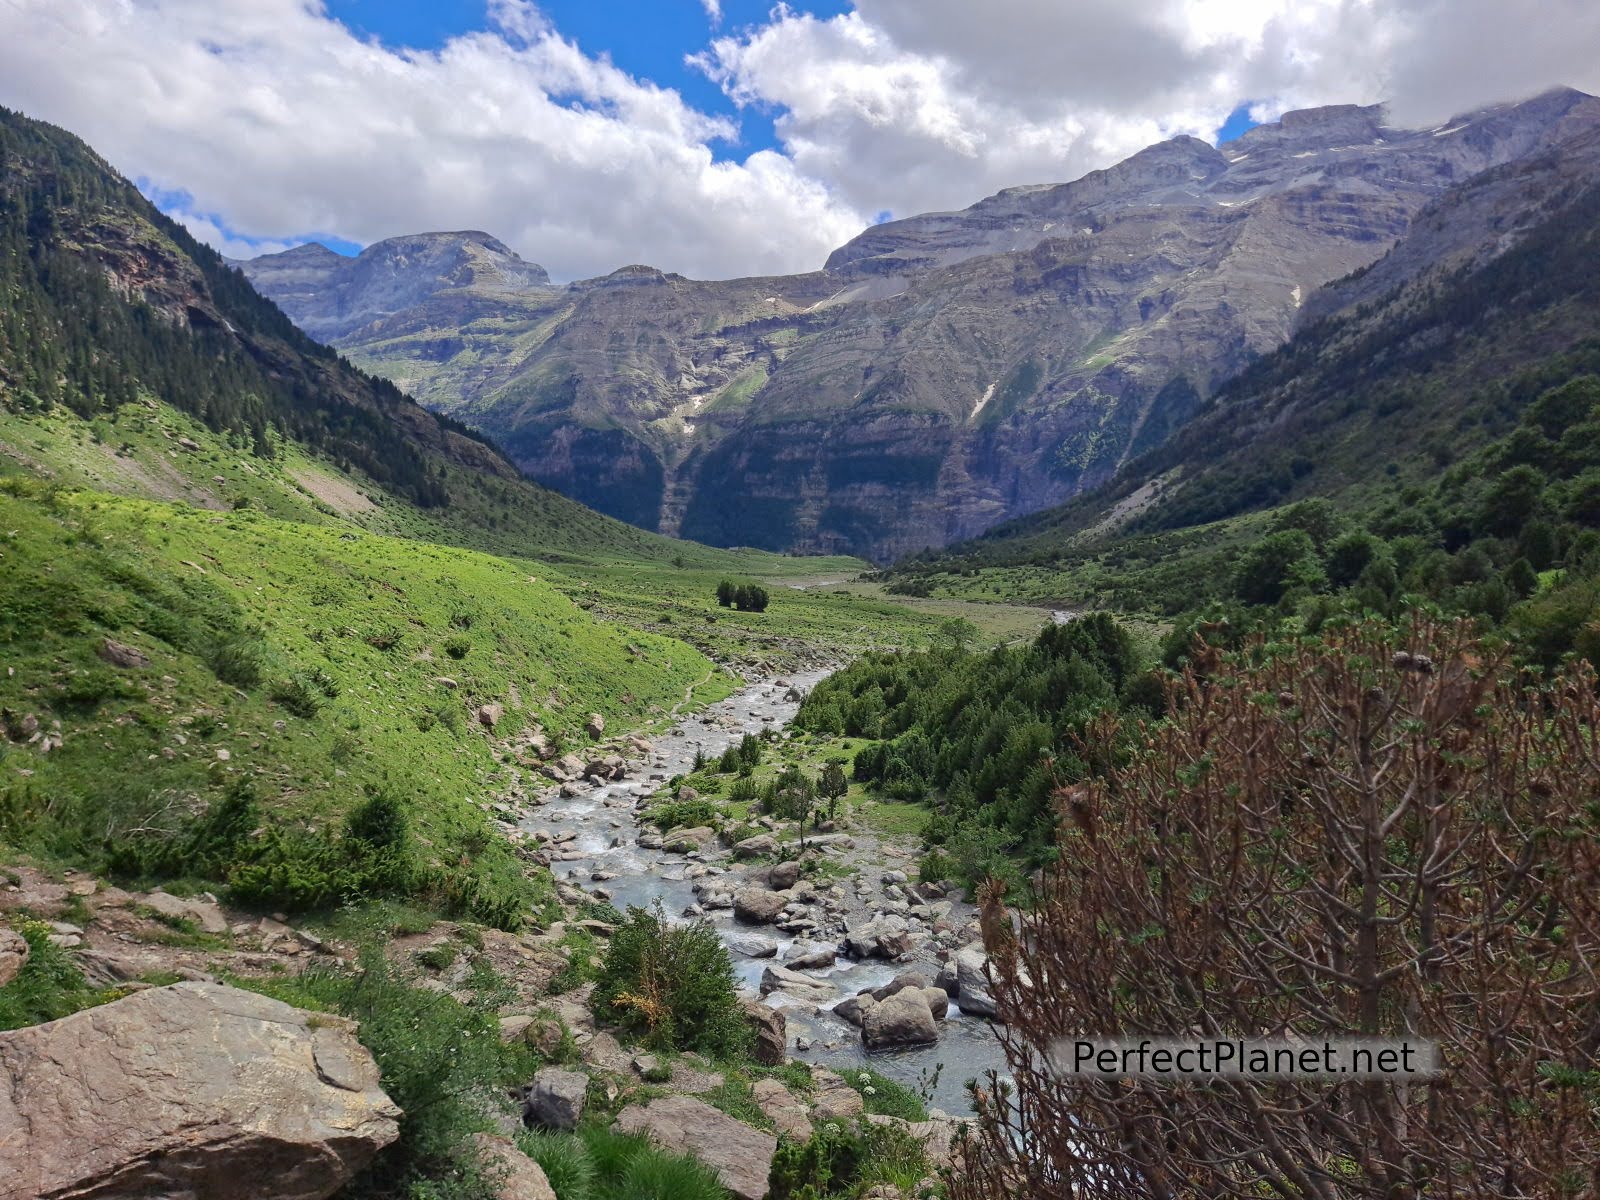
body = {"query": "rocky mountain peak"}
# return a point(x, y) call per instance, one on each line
point(948, 370)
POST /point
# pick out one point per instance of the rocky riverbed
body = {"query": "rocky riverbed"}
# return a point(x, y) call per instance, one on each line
point(808, 940)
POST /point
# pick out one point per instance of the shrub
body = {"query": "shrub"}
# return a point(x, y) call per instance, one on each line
point(673, 984)
point(298, 694)
point(440, 1060)
point(1467, 782)
point(236, 659)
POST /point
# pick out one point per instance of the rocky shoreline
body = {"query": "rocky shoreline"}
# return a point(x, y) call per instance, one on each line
point(824, 926)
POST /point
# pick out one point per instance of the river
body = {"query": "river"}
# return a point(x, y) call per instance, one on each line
point(605, 831)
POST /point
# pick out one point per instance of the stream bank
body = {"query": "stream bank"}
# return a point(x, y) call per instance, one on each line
point(599, 844)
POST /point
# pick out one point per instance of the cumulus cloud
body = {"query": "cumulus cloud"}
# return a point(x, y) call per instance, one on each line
point(276, 119)
point(912, 105)
point(280, 120)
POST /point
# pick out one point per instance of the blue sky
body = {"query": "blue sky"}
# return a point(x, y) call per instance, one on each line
point(649, 39)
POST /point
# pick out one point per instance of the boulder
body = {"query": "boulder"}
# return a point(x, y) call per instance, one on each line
point(510, 1173)
point(14, 951)
point(947, 979)
point(594, 725)
point(881, 937)
point(759, 905)
point(771, 1030)
point(904, 1019)
point(119, 655)
point(804, 956)
point(489, 715)
point(740, 1156)
point(853, 1008)
point(972, 983)
point(783, 876)
point(938, 1002)
point(687, 841)
point(780, 1106)
point(781, 979)
point(906, 979)
point(555, 1098)
point(190, 1090)
point(752, 945)
point(755, 847)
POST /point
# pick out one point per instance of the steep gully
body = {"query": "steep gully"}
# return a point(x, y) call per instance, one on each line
point(603, 847)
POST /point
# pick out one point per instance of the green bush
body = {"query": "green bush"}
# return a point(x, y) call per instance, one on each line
point(598, 1164)
point(440, 1060)
point(49, 986)
point(672, 984)
point(677, 814)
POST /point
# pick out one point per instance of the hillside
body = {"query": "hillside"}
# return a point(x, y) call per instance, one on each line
point(941, 373)
point(113, 307)
point(269, 579)
point(1434, 417)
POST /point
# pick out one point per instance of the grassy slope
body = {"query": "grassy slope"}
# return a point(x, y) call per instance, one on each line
point(147, 745)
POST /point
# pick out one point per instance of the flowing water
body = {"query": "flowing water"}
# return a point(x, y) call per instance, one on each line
point(604, 821)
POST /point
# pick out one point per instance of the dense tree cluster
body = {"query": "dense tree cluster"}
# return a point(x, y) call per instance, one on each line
point(990, 731)
point(746, 597)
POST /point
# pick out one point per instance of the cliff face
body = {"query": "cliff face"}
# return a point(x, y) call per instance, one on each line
point(941, 373)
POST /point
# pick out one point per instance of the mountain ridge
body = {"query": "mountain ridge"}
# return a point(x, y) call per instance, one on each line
point(948, 371)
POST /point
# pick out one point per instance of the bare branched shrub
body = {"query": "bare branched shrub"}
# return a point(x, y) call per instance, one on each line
point(1378, 835)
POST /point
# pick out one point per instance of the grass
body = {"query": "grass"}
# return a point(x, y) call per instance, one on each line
point(272, 664)
point(598, 1164)
point(49, 986)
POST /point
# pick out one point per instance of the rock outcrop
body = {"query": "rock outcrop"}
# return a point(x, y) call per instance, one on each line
point(740, 1156)
point(188, 1091)
point(14, 951)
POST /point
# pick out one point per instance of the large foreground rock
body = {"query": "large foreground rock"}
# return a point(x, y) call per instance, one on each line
point(194, 1090)
point(741, 1156)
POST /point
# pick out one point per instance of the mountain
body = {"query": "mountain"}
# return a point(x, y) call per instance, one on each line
point(153, 344)
point(940, 374)
point(1440, 408)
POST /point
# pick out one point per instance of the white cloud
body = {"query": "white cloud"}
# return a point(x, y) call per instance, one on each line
point(713, 11)
point(912, 105)
point(279, 120)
